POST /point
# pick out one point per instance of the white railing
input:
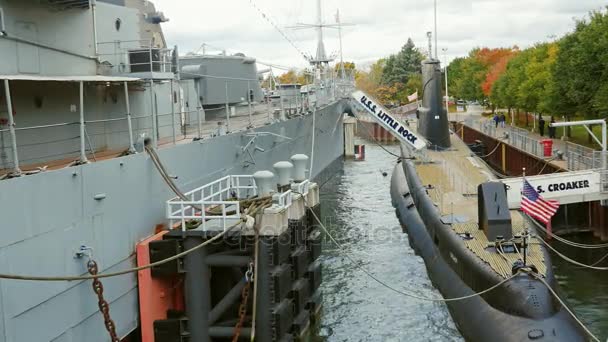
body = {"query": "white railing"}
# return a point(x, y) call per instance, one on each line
point(217, 201)
point(520, 139)
point(285, 199)
point(302, 187)
point(581, 157)
point(132, 56)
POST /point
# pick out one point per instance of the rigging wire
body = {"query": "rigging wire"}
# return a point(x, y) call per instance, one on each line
point(572, 261)
point(565, 241)
point(250, 212)
point(564, 305)
point(405, 293)
point(278, 29)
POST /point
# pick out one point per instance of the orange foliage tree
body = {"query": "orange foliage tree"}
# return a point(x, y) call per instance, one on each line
point(495, 62)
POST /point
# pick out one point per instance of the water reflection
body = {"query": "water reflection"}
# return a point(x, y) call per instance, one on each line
point(357, 210)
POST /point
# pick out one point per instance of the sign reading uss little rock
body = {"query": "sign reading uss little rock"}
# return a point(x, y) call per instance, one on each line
point(387, 121)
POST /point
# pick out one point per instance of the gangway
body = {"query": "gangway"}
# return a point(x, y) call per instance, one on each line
point(384, 117)
point(565, 187)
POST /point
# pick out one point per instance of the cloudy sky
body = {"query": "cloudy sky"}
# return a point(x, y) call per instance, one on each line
point(382, 26)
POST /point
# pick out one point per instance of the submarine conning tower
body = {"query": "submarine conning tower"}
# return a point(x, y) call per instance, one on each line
point(432, 117)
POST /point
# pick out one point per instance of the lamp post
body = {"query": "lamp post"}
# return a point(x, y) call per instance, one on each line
point(445, 58)
point(435, 6)
point(429, 35)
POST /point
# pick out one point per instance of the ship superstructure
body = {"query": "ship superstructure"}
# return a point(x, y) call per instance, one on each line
point(84, 84)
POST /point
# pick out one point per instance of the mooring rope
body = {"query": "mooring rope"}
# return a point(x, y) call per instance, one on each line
point(251, 211)
point(538, 277)
point(572, 261)
point(401, 292)
point(565, 241)
point(494, 150)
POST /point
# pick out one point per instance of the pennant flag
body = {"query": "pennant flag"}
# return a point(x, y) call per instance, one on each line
point(536, 206)
point(413, 97)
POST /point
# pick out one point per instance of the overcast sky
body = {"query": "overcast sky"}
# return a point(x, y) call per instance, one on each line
point(382, 26)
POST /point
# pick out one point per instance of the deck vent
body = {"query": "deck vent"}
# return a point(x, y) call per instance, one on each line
point(493, 211)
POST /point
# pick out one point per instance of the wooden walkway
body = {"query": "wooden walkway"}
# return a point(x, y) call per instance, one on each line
point(454, 176)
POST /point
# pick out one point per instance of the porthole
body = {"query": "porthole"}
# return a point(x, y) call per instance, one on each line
point(118, 24)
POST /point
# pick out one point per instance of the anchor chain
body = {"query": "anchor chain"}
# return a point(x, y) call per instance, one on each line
point(244, 302)
point(104, 307)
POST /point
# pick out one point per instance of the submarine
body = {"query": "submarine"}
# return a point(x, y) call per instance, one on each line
point(457, 219)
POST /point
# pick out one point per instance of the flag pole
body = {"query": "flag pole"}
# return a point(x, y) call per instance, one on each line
point(525, 237)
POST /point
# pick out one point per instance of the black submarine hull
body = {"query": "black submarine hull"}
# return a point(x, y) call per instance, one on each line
point(520, 310)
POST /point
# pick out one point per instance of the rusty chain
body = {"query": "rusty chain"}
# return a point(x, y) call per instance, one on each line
point(104, 307)
point(244, 302)
point(242, 312)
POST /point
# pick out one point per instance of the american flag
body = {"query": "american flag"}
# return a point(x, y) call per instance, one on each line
point(536, 206)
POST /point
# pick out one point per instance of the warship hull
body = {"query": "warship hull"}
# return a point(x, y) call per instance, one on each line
point(539, 318)
point(112, 205)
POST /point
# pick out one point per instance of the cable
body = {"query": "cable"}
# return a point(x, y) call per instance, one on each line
point(114, 274)
point(567, 242)
point(375, 141)
point(600, 260)
point(564, 305)
point(267, 18)
point(251, 211)
point(572, 261)
point(407, 294)
point(494, 150)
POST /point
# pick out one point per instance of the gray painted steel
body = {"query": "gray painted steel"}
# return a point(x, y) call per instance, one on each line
point(238, 73)
point(49, 215)
point(433, 121)
point(197, 290)
point(113, 204)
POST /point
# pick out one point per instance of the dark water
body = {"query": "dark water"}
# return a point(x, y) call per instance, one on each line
point(585, 289)
point(358, 212)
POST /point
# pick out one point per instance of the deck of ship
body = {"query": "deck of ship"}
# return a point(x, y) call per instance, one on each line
point(452, 177)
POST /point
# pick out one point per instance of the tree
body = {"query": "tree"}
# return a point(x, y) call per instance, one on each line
point(293, 76)
point(581, 70)
point(401, 66)
point(369, 81)
point(497, 67)
point(348, 68)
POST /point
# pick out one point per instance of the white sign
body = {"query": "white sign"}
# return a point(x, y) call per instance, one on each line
point(566, 187)
point(384, 118)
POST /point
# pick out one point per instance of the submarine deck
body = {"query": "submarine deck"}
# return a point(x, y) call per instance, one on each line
point(453, 176)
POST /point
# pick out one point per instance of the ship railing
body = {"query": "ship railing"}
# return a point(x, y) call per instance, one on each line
point(581, 157)
point(57, 145)
point(285, 199)
point(520, 138)
point(134, 56)
point(215, 201)
point(302, 187)
point(603, 181)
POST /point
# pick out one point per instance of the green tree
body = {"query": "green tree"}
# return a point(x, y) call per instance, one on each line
point(581, 71)
point(401, 66)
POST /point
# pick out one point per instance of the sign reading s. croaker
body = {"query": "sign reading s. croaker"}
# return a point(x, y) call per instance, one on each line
point(567, 187)
point(384, 118)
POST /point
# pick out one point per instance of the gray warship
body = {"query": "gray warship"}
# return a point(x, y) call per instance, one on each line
point(83, 85)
